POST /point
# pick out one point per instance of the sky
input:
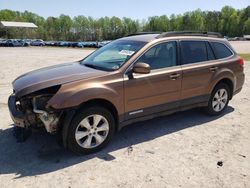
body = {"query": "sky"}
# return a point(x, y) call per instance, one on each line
point(136, 9)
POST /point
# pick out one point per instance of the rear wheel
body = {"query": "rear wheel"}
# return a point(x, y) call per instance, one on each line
point(91, 129)
point(219, 99)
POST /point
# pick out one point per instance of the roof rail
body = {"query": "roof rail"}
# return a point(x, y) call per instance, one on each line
point(190, 33)
point(143, 33)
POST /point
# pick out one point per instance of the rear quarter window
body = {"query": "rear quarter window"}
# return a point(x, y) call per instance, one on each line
point(221, 50)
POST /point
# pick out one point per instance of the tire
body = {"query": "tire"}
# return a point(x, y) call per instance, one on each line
point(83, 135)
point(219, 100)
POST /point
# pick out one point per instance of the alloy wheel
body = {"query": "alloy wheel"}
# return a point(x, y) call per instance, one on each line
point(92, 131)
point(220, 100)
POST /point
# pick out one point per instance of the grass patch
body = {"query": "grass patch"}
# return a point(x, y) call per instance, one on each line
point(246, 57)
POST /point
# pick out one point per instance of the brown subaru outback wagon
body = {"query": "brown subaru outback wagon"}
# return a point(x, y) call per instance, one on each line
point(131, 79)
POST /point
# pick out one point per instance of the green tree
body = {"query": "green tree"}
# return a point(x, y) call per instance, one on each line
point(116, 28)
point(64, 24)
point(246, 27)
point(212, 21)
point(158, 23)
point(130, 26)
point(80, 28)
point(229, 23)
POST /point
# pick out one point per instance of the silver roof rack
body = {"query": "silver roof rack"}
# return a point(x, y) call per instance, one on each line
point(143, 33)
point(190, 33)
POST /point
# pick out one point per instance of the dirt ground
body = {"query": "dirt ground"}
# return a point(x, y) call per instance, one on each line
point(242, 47)
point(180, 150)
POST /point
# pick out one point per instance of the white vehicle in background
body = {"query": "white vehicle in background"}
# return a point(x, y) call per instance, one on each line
point(37, 42)
point(247, 37)
point(103, 43)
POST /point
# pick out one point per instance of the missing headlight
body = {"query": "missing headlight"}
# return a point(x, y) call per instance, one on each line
point(50, 120)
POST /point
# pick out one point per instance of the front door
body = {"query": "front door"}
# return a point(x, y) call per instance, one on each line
point(158, 90)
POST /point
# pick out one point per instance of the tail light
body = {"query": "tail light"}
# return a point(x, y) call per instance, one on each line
point(241, 62)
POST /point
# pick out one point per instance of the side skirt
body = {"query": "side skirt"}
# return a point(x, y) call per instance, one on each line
point(186, 104)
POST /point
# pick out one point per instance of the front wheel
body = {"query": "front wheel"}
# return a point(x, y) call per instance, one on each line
point(219, 99)
point(91, 129)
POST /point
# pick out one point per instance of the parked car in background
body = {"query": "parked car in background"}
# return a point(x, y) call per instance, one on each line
point(103, 43)
point(13, 43)
point(2, 42)
point(26, 42)
point(77, 44)
point(64, 44)
point(91, 44)
point(237, 39)
point(37, 42)
point(49, 43)
point(242, 39)
point(57, 43)
point(247, 37)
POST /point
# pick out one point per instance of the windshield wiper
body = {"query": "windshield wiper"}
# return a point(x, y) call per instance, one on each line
point(91, 66)
point(95, 67)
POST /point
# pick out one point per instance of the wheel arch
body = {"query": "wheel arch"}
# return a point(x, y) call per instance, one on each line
point(102, 103)
point(228, 82)
point(70, 113)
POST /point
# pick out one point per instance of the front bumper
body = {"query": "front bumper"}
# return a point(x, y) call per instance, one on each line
point(17, 116)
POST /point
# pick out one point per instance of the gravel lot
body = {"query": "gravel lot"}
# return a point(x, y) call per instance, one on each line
point(180, 150)
point(242, 47)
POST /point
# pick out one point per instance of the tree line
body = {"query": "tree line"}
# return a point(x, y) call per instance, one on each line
point(229, 21)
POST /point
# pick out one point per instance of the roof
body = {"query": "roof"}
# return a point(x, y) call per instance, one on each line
point(17, 24)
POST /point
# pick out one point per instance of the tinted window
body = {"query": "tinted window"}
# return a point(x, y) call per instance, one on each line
point(193, 51)
point(160, 56)
point(220, 50)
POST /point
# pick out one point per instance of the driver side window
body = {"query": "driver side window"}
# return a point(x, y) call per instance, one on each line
point(160, 56)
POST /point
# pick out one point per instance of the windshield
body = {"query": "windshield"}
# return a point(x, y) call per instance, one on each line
point(113, 55)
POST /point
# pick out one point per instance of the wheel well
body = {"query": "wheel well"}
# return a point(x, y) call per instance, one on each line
point(103, 103)
point(229, 83)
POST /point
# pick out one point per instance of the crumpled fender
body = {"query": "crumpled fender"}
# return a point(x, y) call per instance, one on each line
point(71, 95)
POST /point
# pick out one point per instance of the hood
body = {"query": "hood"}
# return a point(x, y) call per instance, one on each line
point(52, 76)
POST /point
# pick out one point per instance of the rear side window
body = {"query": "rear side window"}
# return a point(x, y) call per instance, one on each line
point(220, 50)
point(193, 51)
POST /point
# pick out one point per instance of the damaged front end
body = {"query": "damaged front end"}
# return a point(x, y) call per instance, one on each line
point(32, 110)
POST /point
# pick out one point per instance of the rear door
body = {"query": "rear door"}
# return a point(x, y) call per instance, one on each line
point(197, 70)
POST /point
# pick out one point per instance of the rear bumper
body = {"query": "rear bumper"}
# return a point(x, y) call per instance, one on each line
point(240, 82)
point(17, 116)
point(237, 91)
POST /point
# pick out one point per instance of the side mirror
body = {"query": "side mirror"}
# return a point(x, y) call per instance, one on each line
point(141, 68)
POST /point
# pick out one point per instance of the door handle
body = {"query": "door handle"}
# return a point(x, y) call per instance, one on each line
point(213, 69)
point(174, 76)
